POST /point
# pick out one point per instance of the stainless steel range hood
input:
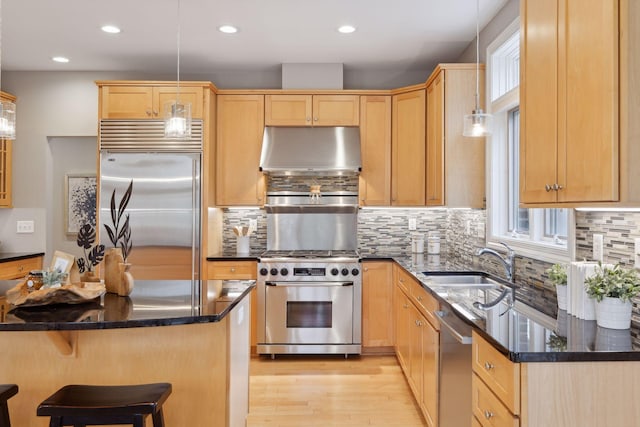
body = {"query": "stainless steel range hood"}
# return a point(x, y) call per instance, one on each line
point(323, 151)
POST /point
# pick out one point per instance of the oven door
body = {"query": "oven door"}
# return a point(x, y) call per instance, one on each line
point(309, 312)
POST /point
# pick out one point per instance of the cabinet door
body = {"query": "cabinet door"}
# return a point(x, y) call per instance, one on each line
point(5, 173)
point(193, 95)
point(128, 102)
point(336, 110)
point(408, 149)
point(588, 102)
point(416, 326)
point(377, 302)
point(435, 142)
point(375, 139)
point(239, 137)
point(430, 371)
point(402, 320)
point(288, 110)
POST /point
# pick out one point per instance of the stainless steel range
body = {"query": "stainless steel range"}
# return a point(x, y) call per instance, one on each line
point(309, 280)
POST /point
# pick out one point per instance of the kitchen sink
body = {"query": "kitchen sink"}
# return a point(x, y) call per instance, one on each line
point(460, 280)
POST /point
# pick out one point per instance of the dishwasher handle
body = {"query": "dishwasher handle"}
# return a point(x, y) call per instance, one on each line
point(461, 337)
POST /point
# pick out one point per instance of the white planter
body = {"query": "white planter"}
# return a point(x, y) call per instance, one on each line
point(613, 313)
point(561, 292)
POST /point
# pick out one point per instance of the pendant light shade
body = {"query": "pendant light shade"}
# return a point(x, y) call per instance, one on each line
point(7, 108)
point(478, 123)
point(177, 115)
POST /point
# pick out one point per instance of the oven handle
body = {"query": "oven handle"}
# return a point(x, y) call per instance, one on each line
point(297, 284)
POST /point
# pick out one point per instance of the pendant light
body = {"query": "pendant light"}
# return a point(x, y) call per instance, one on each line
point(7, 108)
point(177, 115)
point(478, 123)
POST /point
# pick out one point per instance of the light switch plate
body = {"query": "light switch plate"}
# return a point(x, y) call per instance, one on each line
point(598, 247)
point(253, 223)
point(636, 252)
point(25, 227)
point(412, 224)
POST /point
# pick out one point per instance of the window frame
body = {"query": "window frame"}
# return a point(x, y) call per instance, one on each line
point(535, 246)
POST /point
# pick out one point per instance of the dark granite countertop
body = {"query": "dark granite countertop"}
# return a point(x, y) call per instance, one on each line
point(152, 303)
point(233, 256)
point(13, 256)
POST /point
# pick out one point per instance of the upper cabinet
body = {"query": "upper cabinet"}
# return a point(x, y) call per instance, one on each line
point(312, 110)
point(146, 100)
point(239, 181)
point(408, 148)
point(455, 165)
point(375, 143)
point(5, 163)
point(579, 100)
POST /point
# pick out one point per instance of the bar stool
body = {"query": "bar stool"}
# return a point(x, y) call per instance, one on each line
point(6, 392)
point(92, 405)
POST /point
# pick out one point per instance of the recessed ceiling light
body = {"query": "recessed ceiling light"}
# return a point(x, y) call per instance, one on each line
point(60, 59)
point(228, 29)
point(111, 29)
point(347, 29)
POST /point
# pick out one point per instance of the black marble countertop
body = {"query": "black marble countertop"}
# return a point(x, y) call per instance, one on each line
point(523, 333)
point(13, 256)
point(232, 255)
point(152, 303)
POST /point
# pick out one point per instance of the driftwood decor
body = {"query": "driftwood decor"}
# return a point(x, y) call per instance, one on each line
point(75, 293)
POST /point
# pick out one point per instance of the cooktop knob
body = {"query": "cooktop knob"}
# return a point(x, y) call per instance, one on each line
point(354, 272)
point(334, 271)
point(345, 271)
point(264, 271)
point(274, 271)
point(284, 271)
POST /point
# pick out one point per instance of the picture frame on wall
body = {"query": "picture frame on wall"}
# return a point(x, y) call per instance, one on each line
point(80, 201)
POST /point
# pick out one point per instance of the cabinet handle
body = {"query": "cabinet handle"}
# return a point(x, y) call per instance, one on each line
point(419, 298)
point(308, 119)
point(488, 366)
point(401, 280)
point(155, 113)
point(20, 268)
point(557, 187)
point(405, 306)
point(488, 414)
point(548, 187)
point(366, 269)
point(233, 269)
point(148, 112)
point(315, 119)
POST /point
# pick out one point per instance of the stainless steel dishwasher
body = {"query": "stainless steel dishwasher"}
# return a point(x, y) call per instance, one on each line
point(455, 371)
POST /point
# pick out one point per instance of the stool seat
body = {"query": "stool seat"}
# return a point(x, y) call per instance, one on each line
point(6, 392)
point(81, 405)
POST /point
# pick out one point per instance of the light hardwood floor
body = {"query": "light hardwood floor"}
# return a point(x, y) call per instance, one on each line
point(330, 391)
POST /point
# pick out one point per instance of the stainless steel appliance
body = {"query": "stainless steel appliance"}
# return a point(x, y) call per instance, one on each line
point(164, 207)
point(309, 283)
point(454, 408)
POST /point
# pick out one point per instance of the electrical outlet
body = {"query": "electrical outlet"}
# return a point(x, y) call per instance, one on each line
point(25, 227)
point(636, 252)
point(480, 230)
point(468, 227)
point(598, 247)
point(253, 224)
point(413, 224)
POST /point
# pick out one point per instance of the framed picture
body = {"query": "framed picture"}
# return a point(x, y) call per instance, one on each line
point(80, 201)
point(62, 261)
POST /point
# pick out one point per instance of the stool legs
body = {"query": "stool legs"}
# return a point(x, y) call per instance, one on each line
point(4, 415)
point(158, 419)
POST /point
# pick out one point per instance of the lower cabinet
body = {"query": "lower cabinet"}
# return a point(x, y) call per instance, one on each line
point(417, 343)
point(18, 269)
point(239, 270)
point(378, 334)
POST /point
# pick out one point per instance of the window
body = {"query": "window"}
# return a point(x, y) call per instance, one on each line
point(536, 233)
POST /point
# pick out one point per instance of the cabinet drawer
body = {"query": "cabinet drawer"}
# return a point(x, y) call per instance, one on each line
point(488, 409)
point(19, 268)
point(240, 270)
point(424, 302)
point(401, 278)
point(500, 374)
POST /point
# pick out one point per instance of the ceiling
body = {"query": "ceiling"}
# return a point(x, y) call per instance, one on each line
point(391, 34)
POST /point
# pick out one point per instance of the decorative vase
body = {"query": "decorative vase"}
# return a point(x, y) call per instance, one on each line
point(112, 276)
point(89, 276)
point(613, 340)
point(613, 313)
point(561, 293)
point(126, 279)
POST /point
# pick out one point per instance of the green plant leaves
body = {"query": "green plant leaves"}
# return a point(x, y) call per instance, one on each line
point(615, 282)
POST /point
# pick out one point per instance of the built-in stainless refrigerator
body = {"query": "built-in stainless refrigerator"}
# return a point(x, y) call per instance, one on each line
point(164, 210)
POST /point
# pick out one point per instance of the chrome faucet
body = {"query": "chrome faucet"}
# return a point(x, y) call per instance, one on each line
point(508, 262)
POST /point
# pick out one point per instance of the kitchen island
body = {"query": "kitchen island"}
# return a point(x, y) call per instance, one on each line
point(160, 333)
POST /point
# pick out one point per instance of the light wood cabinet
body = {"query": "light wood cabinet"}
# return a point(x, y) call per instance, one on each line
point(312, 110)
point(240, 129)
point(455, 165)
point(579, 100)
point(417, 342)
point(19, 268)
point(137, 100)
point(408, 149)
point(375, 143)
point(5, 163)
point(378, 331)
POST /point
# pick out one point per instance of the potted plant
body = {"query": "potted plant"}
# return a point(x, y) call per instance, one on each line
point(613, 288)
point(558, 276)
